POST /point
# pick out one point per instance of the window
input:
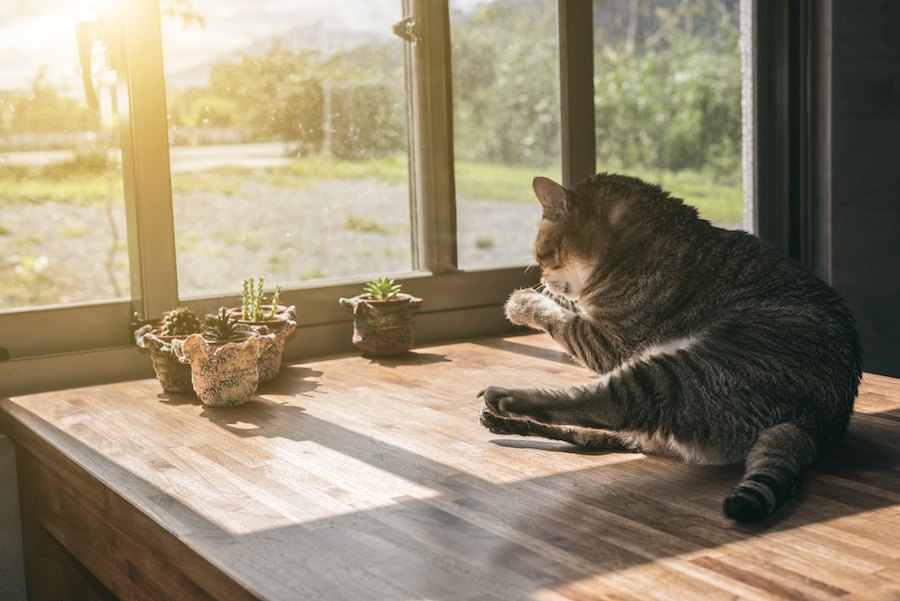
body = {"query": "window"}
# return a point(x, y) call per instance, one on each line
point(317, 144)
point(667, 99)
point(506, 124)
point(288, 142)
point(62, 211)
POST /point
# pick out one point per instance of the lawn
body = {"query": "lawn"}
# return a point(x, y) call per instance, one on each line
point(716, 201)
point(64, 225)
point(85, 182)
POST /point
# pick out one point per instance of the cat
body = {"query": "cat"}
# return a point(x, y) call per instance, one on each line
point(710, 346)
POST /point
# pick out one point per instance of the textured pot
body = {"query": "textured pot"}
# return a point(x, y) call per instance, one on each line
point(173, 375)
point(222, 376)
point(271, 351)
point(382, 328)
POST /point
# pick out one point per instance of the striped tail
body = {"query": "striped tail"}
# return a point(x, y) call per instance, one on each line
point(773, 470)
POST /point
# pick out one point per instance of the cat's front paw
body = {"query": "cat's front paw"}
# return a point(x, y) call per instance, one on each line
point(514, 404)
point(493, 397)
point(529, 307)
point(503, 425)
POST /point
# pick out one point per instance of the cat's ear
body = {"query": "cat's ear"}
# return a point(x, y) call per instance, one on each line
point(554, 198)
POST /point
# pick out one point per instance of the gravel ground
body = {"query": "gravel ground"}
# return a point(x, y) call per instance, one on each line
point(56, 252)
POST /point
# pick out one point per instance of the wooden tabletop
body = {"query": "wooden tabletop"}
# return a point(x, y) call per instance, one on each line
point(349, 478)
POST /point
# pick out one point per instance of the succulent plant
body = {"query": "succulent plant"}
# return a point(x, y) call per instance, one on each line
point(220, 326)
point(383, 288)
point(253, 298)
point(181, 322)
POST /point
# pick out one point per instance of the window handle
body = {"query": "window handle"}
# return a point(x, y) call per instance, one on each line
point(86, 34)
point(408, 29)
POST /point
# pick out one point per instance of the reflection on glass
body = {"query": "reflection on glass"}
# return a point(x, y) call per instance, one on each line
point(506, 124)
point(667, 93)
point(62, 217)
point(287, 126)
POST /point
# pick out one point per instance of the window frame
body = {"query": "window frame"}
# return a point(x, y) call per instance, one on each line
point(786, 52)
point(76, 345)
point(73, 345)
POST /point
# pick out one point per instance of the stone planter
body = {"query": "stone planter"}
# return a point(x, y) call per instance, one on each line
point(222, 376)
point(173, 375)
point(382, 328)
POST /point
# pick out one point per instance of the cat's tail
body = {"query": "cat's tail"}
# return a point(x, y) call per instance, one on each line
point(774, 467)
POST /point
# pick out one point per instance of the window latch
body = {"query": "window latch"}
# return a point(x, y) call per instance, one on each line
point(408, 29)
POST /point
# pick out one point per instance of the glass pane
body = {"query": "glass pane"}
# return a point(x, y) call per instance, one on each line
point(62, 211)
point(288, 132)
point(667, 92)
point(505, 124)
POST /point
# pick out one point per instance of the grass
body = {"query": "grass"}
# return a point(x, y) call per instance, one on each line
point(362, 224)
point(484, 242)
point(221, 181)
point(718, 202)
point(86, 189)
point(73, 232)
point(391, 169)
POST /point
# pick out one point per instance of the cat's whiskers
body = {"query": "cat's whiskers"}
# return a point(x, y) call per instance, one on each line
point(562, 301)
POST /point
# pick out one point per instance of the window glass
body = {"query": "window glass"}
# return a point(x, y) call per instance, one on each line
point(288, 141)
point(667, 94)
point(505, 123)
point(62, 215)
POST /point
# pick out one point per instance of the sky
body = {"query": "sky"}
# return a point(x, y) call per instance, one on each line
point(35, 33)
point(235, 26)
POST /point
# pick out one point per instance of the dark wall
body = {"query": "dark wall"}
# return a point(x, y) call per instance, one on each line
point(865, 175)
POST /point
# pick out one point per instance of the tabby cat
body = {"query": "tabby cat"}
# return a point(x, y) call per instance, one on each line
point(710, 346)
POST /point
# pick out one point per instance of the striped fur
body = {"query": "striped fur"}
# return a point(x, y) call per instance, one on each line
point(709, 346)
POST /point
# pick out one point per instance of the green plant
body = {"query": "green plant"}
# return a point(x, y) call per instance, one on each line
point(484, 242)
point(220, 326)
point(181, 322)
point(253, 298)
point(382, 288)
point(363, 224)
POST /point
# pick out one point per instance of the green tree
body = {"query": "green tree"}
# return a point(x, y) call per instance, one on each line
point(505, 79)
point(42, 109)
point(275, 96)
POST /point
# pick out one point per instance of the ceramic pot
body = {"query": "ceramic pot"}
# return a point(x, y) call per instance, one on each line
point(382, 328)
point(222, 375)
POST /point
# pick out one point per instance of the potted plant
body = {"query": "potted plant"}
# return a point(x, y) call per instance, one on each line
point(223, 359)
point(266, 318)
point(179, 323)
point(382, 318)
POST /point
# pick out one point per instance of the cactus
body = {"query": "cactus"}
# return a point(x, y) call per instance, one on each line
point(181, 322)
point(253, 298)
point(382, 288)
point(220, 326)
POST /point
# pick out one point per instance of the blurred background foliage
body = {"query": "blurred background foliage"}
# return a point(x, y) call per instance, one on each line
point(667, 92)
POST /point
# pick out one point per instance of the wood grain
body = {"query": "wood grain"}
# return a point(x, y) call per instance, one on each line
point(349, 478)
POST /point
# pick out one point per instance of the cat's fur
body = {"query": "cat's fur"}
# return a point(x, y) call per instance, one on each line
point(710, 346)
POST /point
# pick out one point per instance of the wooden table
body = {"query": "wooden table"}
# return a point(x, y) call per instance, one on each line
point(355, 479)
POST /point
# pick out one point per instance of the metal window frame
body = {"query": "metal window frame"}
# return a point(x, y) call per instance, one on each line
point(431, 162)
point(145, 162)
point(789, 159)
point(578, 134)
